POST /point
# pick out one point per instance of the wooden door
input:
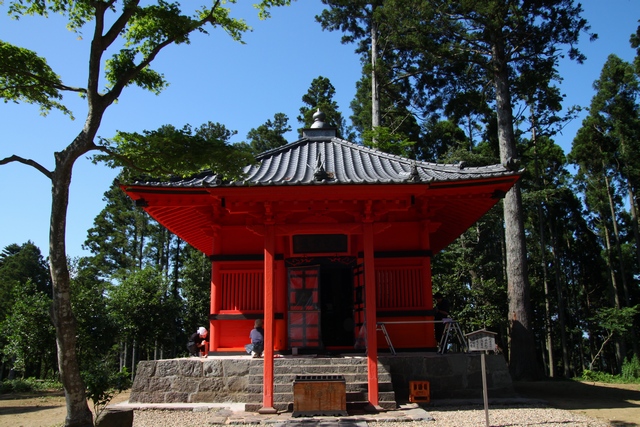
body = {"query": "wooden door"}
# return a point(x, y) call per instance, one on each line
point(304, 307)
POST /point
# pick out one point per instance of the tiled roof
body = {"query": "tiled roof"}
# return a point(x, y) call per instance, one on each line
point(326, 160)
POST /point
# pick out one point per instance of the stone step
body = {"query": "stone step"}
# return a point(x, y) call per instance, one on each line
point(315, 369)
point(383, 396)
point(350, 387)
point(290, 378)
point(360, 407)
point(278, 362)
point(299, 361)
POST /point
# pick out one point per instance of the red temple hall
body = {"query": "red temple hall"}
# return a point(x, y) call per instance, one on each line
point(323, 238)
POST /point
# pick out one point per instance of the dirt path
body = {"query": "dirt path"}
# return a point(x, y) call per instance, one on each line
point(41, 410)
point(618, 404)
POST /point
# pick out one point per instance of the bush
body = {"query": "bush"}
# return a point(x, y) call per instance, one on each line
point(103, 383)
point(601, 377)
point(630, 374)
point(631, 370)
point(29, 385)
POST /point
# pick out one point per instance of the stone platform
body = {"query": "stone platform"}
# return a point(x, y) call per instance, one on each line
point(233, 378)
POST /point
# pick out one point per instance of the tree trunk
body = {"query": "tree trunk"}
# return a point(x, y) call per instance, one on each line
point(543, 261)
point(561, 307)
point(522, 363)
point(616, 235)
point(123, 355)
point(375, 96)
point(615, 299)
point(133, 359)
point(636, 236)
point(78, 413)
point(634, 223)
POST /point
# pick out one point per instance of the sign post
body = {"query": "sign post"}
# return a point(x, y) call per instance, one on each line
point(483, 341)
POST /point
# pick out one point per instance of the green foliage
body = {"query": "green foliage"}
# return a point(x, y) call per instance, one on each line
point(383, 139)
point(97, 331)
point(137, 32)
point(469, 272)
point(596, 376)
point(630, 373)
point(28, 385)
point(118, 234)
point(616, 320)
point(103, 383)
point(27, 329)
point(26, 77)
point(196, 290)
point(444, 138)
point(631, 369)
point(27, 340)
point(170, 151)
point(269, 135)
point(320, 97)
point(138, 307)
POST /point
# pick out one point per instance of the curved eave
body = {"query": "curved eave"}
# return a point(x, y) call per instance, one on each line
point(191, 213)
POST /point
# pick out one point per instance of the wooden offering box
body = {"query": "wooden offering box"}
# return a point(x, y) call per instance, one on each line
point(319, 395)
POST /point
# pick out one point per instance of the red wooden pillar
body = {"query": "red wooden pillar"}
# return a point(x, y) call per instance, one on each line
point(370, 310)
point(269, 285)
point(216, 294)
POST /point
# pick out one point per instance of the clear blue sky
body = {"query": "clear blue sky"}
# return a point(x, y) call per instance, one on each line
point(214, 79)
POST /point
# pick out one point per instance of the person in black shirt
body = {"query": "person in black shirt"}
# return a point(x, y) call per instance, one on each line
point(198, 343)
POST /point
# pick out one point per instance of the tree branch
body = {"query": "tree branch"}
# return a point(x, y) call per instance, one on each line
point(125, 79)
point(131, 164)
point(43, 82)
point(120, 24)
point(27, 162)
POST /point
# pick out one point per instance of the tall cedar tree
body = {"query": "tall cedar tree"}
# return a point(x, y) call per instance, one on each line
point(506, 39)
point(382, 110)
point(118, 234)
point(505, 42)
point(24, 277)
point(145, 28)
point(320, 97)
point(605, 150)
point(269, 135)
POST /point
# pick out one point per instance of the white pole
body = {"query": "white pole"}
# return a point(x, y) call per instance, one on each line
point(484, 388)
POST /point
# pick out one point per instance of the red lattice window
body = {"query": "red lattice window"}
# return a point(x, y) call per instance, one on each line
point(242, 290)
point(399, 287)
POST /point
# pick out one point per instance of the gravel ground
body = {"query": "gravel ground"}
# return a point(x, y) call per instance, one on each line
point(511, 416)
point(443, 417)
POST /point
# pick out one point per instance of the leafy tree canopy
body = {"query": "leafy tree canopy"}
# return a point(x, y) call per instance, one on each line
point(269, 135)
point(26, 77)
point(170, 151)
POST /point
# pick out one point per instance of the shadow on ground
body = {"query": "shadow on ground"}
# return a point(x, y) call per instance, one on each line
point(567, 394)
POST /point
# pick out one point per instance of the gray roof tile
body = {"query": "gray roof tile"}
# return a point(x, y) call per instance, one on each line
point(343, 162)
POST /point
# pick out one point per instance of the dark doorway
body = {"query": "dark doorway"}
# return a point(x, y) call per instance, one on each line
point(321, 303)
point(336, 297)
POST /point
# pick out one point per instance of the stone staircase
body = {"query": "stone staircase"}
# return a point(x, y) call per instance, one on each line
point(353, 369)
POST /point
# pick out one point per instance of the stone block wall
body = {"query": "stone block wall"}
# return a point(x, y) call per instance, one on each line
point(190, 381)
point(451, 376)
